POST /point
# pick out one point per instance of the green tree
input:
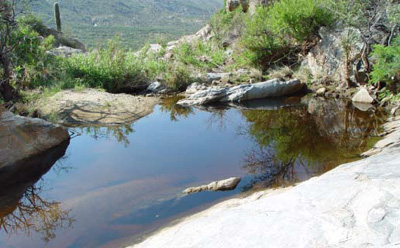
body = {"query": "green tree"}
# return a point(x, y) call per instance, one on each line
point(8, 26)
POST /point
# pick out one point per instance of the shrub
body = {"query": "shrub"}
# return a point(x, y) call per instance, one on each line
point(299, 19)
point(225, 24)
point(387, 63)
point(276, 32)
point(108, 68)
point(177, 77)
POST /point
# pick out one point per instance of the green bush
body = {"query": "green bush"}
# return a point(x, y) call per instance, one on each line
point(224, 23)
point(387, 63)
point(276, 32)
point(33, 67)
point(299, 19)
point(107, 68)
point(200, 55)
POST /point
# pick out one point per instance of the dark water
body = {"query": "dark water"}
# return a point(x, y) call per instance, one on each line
point(109, 186)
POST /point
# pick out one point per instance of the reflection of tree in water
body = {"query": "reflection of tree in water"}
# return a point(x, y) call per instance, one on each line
point(175, 111)
point(120, 132)
point(295, 143)
point(22, 205)
point(35, 214)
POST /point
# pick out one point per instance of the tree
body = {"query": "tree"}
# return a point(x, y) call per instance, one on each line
point(366, 17)
point(8, 25)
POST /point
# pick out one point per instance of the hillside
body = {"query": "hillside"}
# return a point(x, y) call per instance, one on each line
point(135, 21)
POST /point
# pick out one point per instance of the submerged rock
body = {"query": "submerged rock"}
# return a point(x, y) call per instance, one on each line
point(363, 96)
point(21, 137)
point(271, 88)
point(227, 184)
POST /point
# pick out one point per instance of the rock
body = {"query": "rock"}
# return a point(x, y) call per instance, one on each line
point(195, 87)
point(21, 137)
point(353, 205)
point(204, 34)
point(155, 87)
point(271, 88)
point(254, 3)
point(92, 106)
point(232, 5)
point(64, 51)
point(325, 61)
point(216, 76)
point(363, 96)
point(227, 184)
point(395, 111)
point(60, 38)
point(321, 91)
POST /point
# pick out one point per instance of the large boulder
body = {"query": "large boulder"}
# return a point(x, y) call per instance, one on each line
point(271, 88)
point(92, 106)
point(326, 61)
point(22, 138)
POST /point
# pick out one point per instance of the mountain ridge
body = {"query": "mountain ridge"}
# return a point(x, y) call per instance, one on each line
point(135, 22)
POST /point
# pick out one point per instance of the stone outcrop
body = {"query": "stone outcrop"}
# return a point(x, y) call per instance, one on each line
point(355, 205)
point(271, 88)
point(326, 61)
point(92, 106)
point(227, 184)
point(22, 138)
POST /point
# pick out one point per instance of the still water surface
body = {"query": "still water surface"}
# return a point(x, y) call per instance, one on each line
point(113, 185)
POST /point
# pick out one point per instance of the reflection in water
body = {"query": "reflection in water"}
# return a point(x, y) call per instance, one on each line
point(22, 208)
point(175, 111)
point(119, 132)
point(128, 181)
point(296, 143)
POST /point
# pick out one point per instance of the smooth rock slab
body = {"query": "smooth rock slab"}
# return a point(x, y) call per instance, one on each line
point(227, 184)
point(92, 106)
point(271, 88)
point(22, 137)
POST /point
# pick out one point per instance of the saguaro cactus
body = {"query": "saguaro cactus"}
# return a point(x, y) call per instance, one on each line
point(57, 16)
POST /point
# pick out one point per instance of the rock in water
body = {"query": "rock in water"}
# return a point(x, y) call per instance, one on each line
point(227, 184)
point(363, 96)
point(271, 88)
point(22, 137)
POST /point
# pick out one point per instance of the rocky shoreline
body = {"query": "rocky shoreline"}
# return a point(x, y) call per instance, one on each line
point(355, 205)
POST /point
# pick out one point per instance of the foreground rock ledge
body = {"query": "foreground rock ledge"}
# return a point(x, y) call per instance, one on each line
point(355, 205)
point(271, 88)
point(22, 137)
point(90, 106)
